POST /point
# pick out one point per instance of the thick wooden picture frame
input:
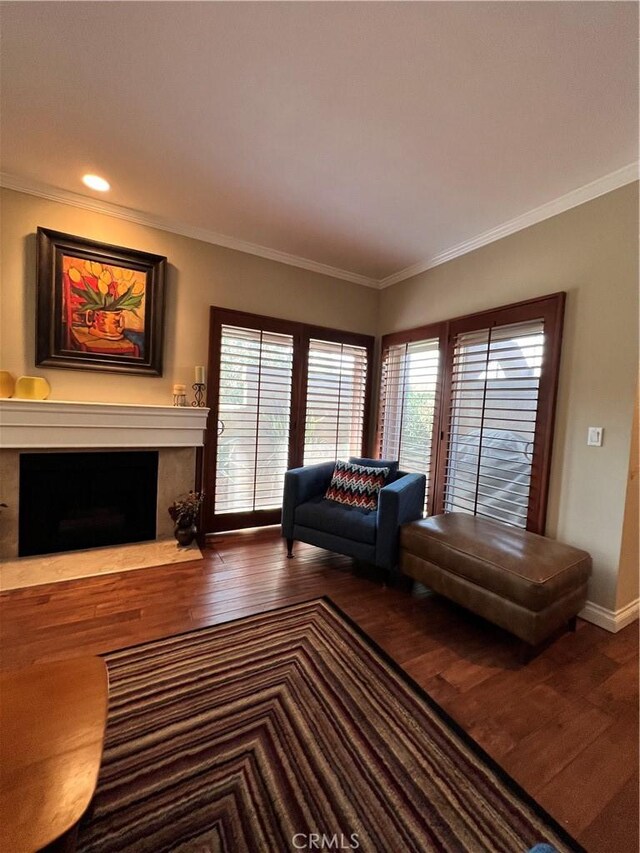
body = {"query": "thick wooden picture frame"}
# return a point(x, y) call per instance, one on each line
point(99, 306)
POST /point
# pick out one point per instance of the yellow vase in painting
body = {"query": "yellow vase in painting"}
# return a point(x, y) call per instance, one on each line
point(105, 324)
point(7, 384)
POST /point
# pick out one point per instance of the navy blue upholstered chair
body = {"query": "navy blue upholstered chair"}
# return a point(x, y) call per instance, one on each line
point(368, 535)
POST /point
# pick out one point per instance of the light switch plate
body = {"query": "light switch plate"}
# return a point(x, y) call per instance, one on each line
point(594, 436)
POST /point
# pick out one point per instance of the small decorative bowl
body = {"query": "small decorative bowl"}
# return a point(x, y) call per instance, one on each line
point(32, 388)
point(7, 384)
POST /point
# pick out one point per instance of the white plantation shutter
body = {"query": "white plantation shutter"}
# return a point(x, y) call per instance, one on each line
point(254, 415)
point(495, 385)
point(335, 401)
point(408, 398)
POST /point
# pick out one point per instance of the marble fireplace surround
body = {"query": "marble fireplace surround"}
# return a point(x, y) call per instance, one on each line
point(56, 425)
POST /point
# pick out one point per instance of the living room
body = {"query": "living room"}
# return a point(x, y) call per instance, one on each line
point(353, 289)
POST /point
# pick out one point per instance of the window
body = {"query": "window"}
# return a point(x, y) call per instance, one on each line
point(495, 383)
point(478, 421)
point(281, 394)
point(254, 402)
point(409, 396)
point(336, 399)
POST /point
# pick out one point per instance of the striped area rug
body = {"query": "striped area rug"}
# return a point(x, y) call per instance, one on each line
point(290, 730)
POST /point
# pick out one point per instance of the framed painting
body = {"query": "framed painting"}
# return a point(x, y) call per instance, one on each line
point(99, 307)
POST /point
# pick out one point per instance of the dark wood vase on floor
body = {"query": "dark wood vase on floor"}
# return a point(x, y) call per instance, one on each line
point(185, 535)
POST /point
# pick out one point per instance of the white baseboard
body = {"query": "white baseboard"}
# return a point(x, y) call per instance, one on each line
point(611, 620)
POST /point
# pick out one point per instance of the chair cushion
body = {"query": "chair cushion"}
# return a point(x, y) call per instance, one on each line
point(378, 463)
point(348, 522)
point(356, 485)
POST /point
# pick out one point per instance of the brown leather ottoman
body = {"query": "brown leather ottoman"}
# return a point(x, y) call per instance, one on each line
point(523, 582)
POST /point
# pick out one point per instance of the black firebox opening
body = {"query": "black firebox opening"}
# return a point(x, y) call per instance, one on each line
point(70, 501)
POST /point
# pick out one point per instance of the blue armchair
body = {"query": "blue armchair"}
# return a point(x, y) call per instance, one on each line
point(368, 535)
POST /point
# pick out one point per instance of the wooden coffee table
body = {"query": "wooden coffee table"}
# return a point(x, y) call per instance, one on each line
point(52, 723)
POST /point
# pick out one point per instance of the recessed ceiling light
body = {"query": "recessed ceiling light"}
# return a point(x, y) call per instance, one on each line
point(95, 182)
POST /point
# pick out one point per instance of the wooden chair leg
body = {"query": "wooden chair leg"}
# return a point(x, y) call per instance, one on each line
point(289, 548)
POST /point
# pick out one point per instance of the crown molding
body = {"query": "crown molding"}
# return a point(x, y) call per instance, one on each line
point(51, 193)
point(601, 186)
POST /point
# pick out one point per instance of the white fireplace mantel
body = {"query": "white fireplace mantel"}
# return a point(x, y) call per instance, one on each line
point(54, 424)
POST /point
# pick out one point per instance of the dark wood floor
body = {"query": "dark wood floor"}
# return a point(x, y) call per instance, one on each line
point(565, 726)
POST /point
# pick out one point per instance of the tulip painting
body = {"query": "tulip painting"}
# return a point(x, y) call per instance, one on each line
point(109, 310)
point(104, 301)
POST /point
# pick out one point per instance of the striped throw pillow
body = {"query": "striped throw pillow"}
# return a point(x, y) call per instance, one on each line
point(356, 485)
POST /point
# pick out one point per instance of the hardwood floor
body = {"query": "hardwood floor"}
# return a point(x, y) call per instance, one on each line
point(565, 726)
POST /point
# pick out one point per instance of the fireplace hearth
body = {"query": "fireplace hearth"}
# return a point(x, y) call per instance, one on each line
point(71, 501)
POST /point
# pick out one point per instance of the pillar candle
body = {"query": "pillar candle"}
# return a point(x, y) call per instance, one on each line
point(200, 375)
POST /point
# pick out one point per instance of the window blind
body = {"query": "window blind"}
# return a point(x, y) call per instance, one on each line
point(491, 430)
point(254, 419)
point(408, 397)
point(335, 401)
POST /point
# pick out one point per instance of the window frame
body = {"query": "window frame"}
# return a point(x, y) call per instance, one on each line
point(550, 309)
point(302, 334)
point(420, 333)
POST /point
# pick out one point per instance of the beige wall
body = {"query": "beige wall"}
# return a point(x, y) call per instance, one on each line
point(592, 253)
point(200, 274)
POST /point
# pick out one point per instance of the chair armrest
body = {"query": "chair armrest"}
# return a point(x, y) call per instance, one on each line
point(398, 503)
point(300, 485)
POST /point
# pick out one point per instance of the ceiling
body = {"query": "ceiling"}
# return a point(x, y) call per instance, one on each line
point(369, 137)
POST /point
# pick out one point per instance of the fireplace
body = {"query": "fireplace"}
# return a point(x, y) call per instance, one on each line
point(70, 501)
point(33, 429)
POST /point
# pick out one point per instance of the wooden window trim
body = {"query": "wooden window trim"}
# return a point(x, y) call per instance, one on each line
point(420, 333)
point(548, 308)
point(302, 333)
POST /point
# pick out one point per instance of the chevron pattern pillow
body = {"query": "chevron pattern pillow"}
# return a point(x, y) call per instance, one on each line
point(356, 485)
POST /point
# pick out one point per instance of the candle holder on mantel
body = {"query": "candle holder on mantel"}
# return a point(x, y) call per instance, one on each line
point(199, 389)
point(179, 396)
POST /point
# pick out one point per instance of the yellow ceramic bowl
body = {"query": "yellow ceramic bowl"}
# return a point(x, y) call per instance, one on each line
point(7, 384)
point(32, 388)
